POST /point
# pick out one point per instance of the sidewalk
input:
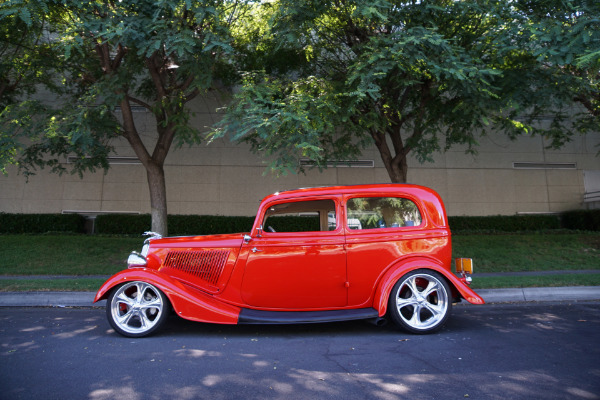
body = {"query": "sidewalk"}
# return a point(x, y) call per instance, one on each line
point(85, 299)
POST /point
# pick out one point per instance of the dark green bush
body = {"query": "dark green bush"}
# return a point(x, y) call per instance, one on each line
point(505, 223)
point(585, 220)
point(179, 225)
point(207, 224)
point(41, 223)
point(122, 224)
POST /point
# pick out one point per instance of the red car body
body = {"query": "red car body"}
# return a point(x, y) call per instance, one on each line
point(345, 270)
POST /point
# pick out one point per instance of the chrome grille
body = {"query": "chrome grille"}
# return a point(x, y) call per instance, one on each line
point(204, 264)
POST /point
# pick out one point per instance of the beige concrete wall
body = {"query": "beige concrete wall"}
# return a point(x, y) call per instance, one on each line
point(227, 179)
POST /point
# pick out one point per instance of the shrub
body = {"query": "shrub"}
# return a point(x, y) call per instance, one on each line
point(123, 224)
point(505, 223)
point(586, 220)
point(41, 223)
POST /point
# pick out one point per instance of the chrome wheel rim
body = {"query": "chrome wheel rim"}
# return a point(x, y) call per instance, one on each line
point(422, 301)
point(136, 307)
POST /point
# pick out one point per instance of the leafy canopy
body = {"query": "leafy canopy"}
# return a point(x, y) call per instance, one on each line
point(412, 77)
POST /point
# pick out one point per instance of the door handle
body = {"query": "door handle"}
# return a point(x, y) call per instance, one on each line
point(254, 250)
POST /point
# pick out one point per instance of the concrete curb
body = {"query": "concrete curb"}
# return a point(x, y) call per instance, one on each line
point(540, 294)
point(85, 299)
point(49, 299)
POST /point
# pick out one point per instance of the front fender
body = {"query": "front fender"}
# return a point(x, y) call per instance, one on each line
point(188, 302)
point(387, 282)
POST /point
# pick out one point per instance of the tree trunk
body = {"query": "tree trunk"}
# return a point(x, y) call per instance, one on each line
point(158, 197)
point(396, 165)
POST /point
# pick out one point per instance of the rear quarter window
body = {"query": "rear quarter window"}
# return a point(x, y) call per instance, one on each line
point(382, 212)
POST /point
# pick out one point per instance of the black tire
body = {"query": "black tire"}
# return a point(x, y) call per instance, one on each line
point(420, 302)
point(137, 309)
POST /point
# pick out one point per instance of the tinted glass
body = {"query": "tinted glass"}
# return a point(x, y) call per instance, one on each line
point(382, 212)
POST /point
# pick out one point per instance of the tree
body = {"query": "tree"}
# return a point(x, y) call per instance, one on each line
point(412, 77)
point(115, 55)
point(26, 57)
point(569, 40)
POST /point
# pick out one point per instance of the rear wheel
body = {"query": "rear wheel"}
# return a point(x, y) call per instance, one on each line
point(420, 302)
point(137, 309)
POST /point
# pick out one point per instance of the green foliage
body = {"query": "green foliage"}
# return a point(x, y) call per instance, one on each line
point(411, 77)
point(582, 220)
point(41, 223)
point(181, 225)
point(208, 224)
point(113, 56)
point(567, 45)
point(505, 223)
point(178, 224)
point(588, 220)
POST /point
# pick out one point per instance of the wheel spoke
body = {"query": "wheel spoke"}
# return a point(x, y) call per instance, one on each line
point(123, 298)
point(125, 318)
point(144, 321)
point(401, 302)
point(412, 285)
point(154, 303)
point(415, 319)
point(435, 309)
point(432, 286)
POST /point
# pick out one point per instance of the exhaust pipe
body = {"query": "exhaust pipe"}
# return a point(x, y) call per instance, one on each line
point(379, 321)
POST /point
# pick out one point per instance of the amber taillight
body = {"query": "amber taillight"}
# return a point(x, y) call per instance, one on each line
point(203, 264)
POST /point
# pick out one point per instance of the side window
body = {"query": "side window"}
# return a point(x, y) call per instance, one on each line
point(301, 216)
point(382, 212)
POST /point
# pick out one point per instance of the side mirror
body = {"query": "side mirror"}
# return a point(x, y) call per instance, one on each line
point(259, 231)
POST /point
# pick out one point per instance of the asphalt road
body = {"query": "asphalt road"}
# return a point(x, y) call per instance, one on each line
point(508, 351)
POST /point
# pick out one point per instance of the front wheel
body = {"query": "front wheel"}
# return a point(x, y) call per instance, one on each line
point(420, 302)
point(136, 309)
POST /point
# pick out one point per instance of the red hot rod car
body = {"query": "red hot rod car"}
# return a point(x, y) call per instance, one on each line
point(313, 255)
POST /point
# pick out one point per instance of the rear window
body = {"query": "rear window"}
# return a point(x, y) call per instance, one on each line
point(382, 212)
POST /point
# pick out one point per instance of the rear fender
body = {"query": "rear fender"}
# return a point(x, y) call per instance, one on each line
point(387, 282)
point(188, 302)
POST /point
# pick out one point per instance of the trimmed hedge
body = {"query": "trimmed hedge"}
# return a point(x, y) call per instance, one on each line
point(587, 220)
point(506, 223)
point(180, 225)
point(41, 223)
point(207, 224)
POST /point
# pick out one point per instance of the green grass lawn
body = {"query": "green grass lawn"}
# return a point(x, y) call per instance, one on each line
point(529, 252)
point(64, 254)
point(104, 255)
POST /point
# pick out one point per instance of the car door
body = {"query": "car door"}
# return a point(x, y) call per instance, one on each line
point(297, 265)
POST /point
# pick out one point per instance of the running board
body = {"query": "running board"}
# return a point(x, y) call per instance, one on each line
point(248, 316)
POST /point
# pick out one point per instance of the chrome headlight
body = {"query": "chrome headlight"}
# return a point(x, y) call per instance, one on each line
point(135, 259)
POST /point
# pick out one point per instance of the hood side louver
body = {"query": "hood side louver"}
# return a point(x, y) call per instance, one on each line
point(203, 264)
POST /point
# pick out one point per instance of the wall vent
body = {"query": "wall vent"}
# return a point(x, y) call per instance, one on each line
point(111, 160)
point(544, 165)
point(340, 163)
point(134, 108)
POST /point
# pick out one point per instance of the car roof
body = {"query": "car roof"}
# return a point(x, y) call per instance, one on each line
point(431, 201)
point(349, 189)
